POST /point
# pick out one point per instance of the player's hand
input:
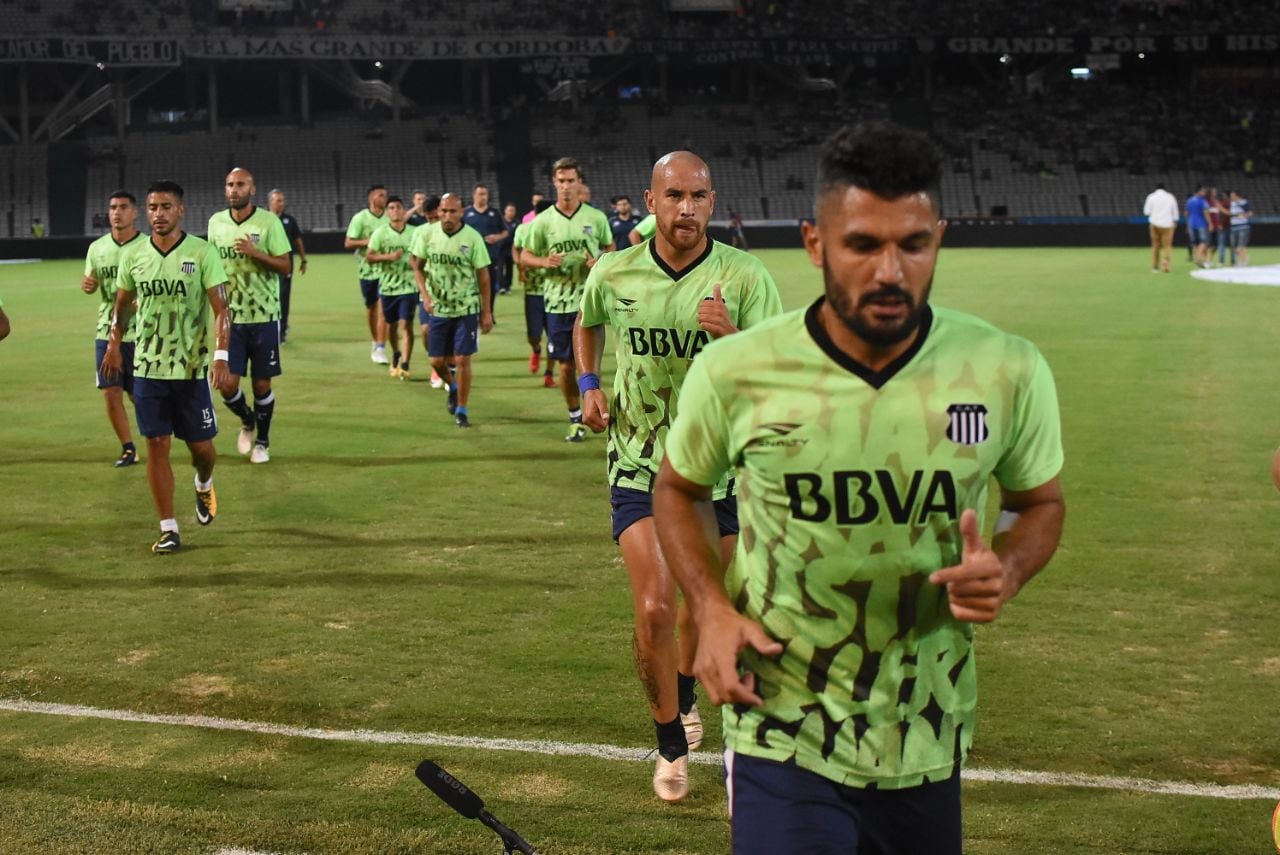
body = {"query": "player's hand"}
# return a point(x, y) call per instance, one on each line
point(486, 322)
point(427, 302)
point(975, 586)
point(111, 362)
point(722, 635)
point(88, 285)
point(302, 268)
point(554, 260)
point(595, 410)
point(245, 247)
point(713, 315)
point(591, 261)
point(396, 256)
point(222, 378)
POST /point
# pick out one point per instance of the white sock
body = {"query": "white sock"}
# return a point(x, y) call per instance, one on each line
point(169, 525)
point(203, 485)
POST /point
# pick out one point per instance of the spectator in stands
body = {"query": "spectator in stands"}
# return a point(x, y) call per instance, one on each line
point(1161, 210)
point(37, 228)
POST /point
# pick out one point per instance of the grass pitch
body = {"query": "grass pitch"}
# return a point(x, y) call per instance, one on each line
point(390, 572)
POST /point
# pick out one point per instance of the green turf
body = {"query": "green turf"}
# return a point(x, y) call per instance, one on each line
point(387, 571)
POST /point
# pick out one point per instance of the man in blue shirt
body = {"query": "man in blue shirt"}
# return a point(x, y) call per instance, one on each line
point(1198, 227)
point(488, 222)
point(622, 222)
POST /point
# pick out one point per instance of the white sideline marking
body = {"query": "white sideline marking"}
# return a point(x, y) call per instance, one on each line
point(1268, 274)
point(241, 852)
point(1235, 792)
point(19, 260)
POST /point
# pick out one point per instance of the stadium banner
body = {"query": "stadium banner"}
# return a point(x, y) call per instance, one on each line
point(400, 47)
point(109, 51)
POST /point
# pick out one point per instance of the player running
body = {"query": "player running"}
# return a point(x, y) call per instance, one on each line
point(388, 250)
point(101, 265)
point(664, 301)
point(359, 230)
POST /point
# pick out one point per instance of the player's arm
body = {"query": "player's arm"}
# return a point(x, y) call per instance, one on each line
point(89, 283)
point(686, 524)
point(275, 263)
point(536, 244)
point(588, 354)
point(120, 311)
point(353, 242)
point(635, 237)
point(221, 376)
point(300, 248)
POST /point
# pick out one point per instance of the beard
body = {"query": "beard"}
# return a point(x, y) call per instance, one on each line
point(876, 334)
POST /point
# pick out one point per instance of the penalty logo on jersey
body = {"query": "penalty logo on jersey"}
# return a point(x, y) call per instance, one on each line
point(188, 267)
point(586, 230)
point(254, 238)
point(466, 250)
point(968, 424)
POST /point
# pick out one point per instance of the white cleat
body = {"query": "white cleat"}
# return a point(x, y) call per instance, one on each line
point(261, 454)
point(671, 778)
point(379, 355)
point(244, 440)
point(436, 381)
point(692, 728)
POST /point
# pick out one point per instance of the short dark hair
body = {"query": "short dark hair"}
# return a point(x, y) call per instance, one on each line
point(124, 194)
point(882, 158)
point(479, 187)
point(431, 203)
point(566, 163)
point(542, 205)
point(165, 186)
point(617, 199)
point(373, 187)
point(391, 199)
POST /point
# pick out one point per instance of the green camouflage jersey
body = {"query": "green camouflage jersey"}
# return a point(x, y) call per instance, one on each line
point(850, 487)
point(362, 227)
point(530, 277)
point(450, 263)
point(173, 312)
point(652, 312)
point(253, 291)
point(394, 277)
point(584, 234)
point(102, 262)
point(647, 227)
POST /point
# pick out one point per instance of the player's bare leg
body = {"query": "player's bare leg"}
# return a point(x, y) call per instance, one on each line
point(569, 388)
point(114, 397)
point(405, 331)
point(160, 475)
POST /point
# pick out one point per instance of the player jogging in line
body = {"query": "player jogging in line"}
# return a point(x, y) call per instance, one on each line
point(389, 250)
point(255, 253)
point(863, 432)
point(359, 230)
point(565, 240)
point(452, 272)
point(101, 266)
point(176, 278)
point(664, 301)
point(535, 307)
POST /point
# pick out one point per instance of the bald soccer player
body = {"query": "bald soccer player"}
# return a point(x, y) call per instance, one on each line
point(664, 300)
point(254, 249)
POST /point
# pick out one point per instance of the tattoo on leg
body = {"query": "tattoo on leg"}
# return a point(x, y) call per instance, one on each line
point(644, 671)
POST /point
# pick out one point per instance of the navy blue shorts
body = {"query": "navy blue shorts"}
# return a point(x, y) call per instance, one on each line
point(453, 336)
point(631, 506)
point(535, 315)
point(424, 317)
point(258, 344)
point(560, 335)
point(399, 307)
point(124, 379)
point(181, 408)
point(369, 290)
point(781, 809)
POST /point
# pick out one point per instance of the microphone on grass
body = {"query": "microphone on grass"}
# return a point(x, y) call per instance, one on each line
point(458, 796)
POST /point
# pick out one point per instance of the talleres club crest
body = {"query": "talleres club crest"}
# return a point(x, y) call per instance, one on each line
point(188, 267)
point(968, 425)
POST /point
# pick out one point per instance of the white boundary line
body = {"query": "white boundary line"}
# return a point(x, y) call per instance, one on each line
point(1236, 792)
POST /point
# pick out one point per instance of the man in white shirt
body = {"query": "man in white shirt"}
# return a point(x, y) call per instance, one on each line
point(1161, 210)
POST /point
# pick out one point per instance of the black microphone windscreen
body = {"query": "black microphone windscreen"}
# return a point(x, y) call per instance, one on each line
point(453, 792)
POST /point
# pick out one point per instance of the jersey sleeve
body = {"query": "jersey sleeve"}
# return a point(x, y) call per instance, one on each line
point(211, 271)
point(517, 239)
point(605, 238)
point(277, 241)
point(418, 243)
point(88, 262)
point(595, 297)
point(375, 243)
point(697, 446)
point(534, 241)
point(124, 278)
point(480, 253)
point(355, 230)
point(1034, 455)
point(759, 300)
point(647, 227)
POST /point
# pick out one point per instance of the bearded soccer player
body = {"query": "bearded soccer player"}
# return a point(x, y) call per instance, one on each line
point(254, 249)
point(452, 270)
point(863, 431)
point(564, 241)
point(177, 279)
point(359, 230)
point(664, 301)
point(389, 250)
point(101, 266)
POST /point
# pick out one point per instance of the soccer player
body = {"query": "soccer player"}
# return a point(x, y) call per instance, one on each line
point(863, 431)
point(255, 253)
point(535, 309)
point(389, 250)
point(101, 264)
point(359, 230)
point(293, 232)
point(430, 214)
point(176, 278)
point(565, 240)
point(622, 223)
point(644, 230)
point(453, 280)
point(664, 301)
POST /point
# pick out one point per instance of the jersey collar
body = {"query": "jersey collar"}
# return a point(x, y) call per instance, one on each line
point(677, 275)
point(874, 379)
point(164, 254)
point(556, 208)
point(253, 209)
point(136, 235)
